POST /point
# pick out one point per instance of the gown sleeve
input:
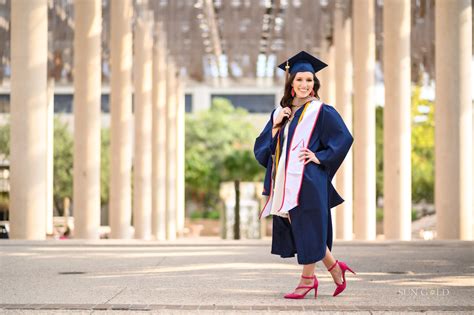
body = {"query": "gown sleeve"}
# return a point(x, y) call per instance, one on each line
point(336, 141)
point(265, 144)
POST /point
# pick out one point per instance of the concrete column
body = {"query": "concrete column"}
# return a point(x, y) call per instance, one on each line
point(171, 152)
point(50, 160)
point(323, 74)
point(278, 96)
point(180, 149)
point(364, 120)
point(327, 78)
point(453, 119)
point(397, 120)
point(121, 12)
point(66, 207)
point(159, 156)
point(343, 63)
point(29, 49)
point(328, 96)
point(202, 98)
point(87, 82)
point(143, 118)
point(331, 84)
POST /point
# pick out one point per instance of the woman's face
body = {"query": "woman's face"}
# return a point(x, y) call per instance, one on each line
point(303, 84)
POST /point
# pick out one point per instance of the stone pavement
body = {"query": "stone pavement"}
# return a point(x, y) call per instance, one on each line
point(209, 275)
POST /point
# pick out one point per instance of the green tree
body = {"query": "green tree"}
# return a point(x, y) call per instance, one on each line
point(63, 163)
point(379, 150)
point(239, 166)
point(422, 153)
point(104, 166)
point(62, 154)
point(422, 148)
point(211, 137)
point(5, 140)
point(4, 153)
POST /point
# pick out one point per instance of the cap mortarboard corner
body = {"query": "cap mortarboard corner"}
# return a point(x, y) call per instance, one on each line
point(302, 62)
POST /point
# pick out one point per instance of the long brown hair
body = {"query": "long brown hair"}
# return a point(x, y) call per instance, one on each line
point(287, 98)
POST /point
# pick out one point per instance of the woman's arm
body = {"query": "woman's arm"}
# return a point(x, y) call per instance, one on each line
point(336, 140)
point(265, 144)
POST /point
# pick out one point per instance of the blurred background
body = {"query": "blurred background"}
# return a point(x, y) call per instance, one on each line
point(137, 118)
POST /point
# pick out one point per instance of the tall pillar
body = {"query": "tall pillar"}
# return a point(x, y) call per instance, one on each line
point(364, 120)
point(331, 99)
point(87, 83)
point(343, 63)
point(323, 74)
point(171, 152)
point(328, 96)
point(50, 160)
point(397, 129)
point(120, 211)
point(180, 149)
point(328, 74)
point(28, 156)
point(159, 146)
point(143, 117)
point(331, 84)
point(453, 120)
point(202, 99)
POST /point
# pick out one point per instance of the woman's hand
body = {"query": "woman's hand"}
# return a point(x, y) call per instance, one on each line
point(284, 113)
point(307, 156)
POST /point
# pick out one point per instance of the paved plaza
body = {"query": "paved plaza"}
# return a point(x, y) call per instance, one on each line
point(208, 275)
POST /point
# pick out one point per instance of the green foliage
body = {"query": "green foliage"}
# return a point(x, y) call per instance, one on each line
point(219, 143)
point(63, 164)
point(4, 204)
point(379, 215)
point(379, 150)
point(241, 165)
point(4, 154)
point(63, 160)
point(422, 153)
point(422, 149)
point(195, 215)
point(104, 166)
point(212, 215)
point(5, 140)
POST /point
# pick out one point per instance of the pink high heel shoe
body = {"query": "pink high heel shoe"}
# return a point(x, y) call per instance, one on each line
point(341, 287)
point(301, 296)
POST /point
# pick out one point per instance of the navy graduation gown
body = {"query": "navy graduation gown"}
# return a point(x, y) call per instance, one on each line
point(310, 230)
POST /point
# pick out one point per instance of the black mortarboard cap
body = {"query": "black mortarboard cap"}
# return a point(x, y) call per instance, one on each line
point(303, 62)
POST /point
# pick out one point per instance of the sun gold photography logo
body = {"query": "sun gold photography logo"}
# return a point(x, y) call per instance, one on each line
point(424, 292)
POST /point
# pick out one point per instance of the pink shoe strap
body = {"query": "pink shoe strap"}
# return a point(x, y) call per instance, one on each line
point(304, 287)
point(334, 265)
point(305, 277)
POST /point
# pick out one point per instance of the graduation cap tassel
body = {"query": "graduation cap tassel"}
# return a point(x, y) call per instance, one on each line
point(287, 70)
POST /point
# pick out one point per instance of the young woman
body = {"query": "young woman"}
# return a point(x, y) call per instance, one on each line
point(302, 146)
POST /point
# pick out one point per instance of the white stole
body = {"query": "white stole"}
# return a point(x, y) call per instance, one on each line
point(294, 167)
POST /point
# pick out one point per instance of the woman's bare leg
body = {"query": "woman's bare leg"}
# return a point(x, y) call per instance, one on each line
point(336, 272)
point(308, 271)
